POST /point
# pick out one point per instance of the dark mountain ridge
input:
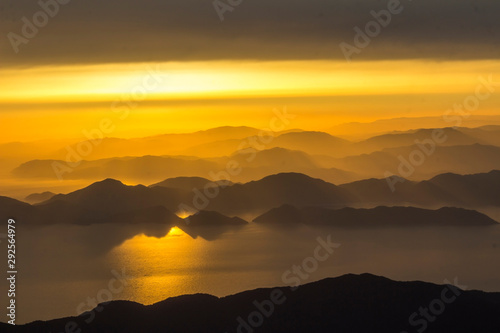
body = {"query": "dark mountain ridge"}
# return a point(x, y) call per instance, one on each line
point(375, 217)
point(349, 303)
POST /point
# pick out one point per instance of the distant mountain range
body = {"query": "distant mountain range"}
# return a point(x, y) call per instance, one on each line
point(316, 154)
point(350, 303)
point(359, 131)
point(112, 201)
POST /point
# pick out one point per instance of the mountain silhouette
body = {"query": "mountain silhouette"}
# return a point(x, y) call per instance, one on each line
point(112, 196)
point(275, 190)
point(209, 225)
point(293, 159)
point(256, 164)
point(376, 217)
point(142, 168)
point(473, 190)
point(454, 137)
point(319, 143)
point(15, 209)
point(349, 303)
point(106, 201)
point(35, 198)
point(111, 200)
point(463, 159)
point(209, 218)
point(364, 130)
point(317, 154)
point(187, 184)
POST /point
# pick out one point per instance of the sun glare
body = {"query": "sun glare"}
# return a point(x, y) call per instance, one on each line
point(175, 231)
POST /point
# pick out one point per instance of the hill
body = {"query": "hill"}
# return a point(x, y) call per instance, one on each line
point(464, 159)
point(315, 143)
point(101, 202)
point(275, 190)
point(376, 217)
point(187, 184)
point(209, 218)
point(39, 197)
point(349, 303)
point(471, 190)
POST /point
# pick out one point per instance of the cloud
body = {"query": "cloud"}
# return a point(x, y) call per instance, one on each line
point(94, 31)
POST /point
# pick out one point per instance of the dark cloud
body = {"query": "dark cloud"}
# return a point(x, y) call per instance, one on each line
point(89, 31)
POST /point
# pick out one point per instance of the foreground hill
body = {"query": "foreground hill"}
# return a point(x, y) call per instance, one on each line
point(350, 303)
point(376, 217)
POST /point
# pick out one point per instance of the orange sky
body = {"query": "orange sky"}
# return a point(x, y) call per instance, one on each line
point(145, 99)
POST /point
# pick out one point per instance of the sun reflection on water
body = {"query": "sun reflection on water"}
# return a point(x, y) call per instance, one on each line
point(160, 267)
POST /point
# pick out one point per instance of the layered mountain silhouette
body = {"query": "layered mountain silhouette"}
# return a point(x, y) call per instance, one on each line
point(376, 217)
point(319, 143)
point(350, 303)
point(226, 140)
point(101, 202)
point(474, 158)
point(113, 201)
point(451, 137)
point(254, 164)
point(362, 130)
point(414, 161)
point(144, 167)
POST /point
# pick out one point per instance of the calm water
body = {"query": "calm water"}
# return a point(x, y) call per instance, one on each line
point(61, 267)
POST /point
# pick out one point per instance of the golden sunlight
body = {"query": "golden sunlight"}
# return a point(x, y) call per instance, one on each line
point(156, 98)
point(218, 79)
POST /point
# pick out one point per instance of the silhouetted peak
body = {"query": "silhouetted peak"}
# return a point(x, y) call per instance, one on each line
point(108, 183)
point(39, 197)
point(172, 301)
point(207, 218)
point(189, 183)
point(375, 217)
point(283, 214)
point(311, 137)
point(289, 177)
point(11, 201)
point(270, 151)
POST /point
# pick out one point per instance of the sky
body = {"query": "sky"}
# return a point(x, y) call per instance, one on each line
point(175, 66)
